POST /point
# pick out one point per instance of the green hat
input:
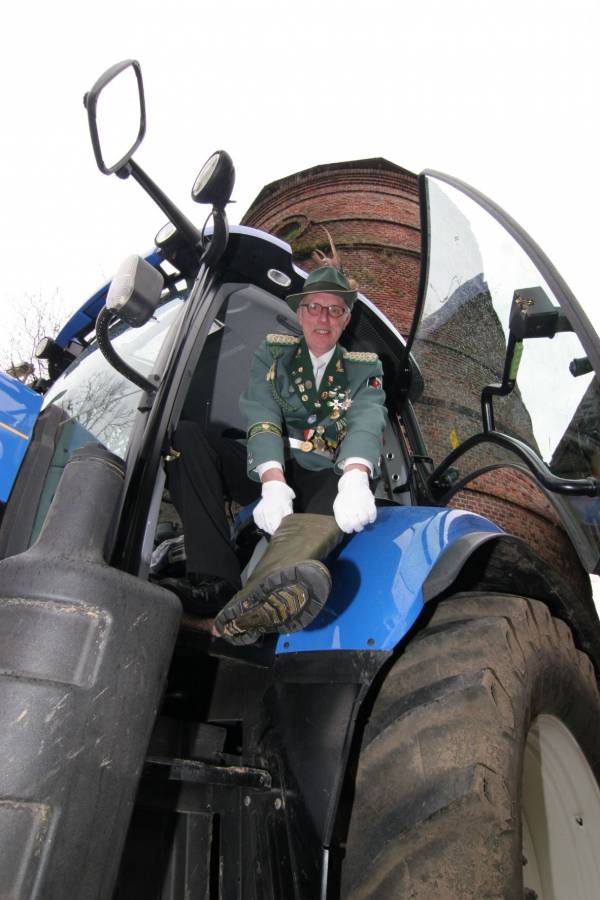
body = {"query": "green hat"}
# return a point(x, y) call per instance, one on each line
point(325, 280)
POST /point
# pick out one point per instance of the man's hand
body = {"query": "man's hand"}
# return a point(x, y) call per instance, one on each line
point(277, 497)
point(354, 506)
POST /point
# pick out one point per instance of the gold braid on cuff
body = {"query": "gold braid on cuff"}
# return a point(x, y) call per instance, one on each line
point(263, 428)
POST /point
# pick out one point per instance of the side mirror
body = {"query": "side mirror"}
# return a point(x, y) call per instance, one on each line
point(135, 291)
point(214, 183)
point(116, 115)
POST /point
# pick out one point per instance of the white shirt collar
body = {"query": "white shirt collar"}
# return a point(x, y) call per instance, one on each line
point(319, 364)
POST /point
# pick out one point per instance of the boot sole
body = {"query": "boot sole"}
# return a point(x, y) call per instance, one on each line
point(286, 601)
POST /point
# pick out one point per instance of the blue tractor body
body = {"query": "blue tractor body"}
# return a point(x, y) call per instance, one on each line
point(379, 578)
point(19, 408)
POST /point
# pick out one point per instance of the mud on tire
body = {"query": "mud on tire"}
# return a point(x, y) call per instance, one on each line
point(436, 810)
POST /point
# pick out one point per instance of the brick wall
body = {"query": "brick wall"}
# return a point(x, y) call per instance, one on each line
point(371, 209)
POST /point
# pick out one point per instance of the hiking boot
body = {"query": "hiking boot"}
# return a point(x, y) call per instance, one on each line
point(289, 586)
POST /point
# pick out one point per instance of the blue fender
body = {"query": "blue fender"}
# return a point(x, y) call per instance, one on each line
point(378, 577)
point(19, 409)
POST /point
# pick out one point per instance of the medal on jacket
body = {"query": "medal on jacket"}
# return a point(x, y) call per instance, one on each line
point(307, 445)
point(339, 403)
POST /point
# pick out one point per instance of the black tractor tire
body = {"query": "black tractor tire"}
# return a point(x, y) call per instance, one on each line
point(438, 788)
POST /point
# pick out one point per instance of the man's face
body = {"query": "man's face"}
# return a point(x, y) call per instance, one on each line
point(322, 331)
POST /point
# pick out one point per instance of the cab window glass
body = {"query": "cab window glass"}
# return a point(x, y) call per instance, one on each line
point(97, 399)
point(475, 267)
point(99, 404)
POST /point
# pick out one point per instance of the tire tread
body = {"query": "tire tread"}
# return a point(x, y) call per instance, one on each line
point(436, 792)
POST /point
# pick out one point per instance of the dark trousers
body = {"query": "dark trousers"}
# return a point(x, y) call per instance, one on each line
point(210, 470)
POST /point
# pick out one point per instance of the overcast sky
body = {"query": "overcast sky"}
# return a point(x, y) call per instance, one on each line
point(503, 95)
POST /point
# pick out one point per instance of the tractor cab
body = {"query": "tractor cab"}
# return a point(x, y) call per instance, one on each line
point(95, 399)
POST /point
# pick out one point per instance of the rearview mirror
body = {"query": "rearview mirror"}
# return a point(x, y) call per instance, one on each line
point(116, 115)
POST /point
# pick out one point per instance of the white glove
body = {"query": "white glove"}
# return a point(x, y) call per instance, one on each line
point(354, 507)
point(276, 503)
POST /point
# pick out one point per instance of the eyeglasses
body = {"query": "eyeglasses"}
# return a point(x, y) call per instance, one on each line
point(315, 309)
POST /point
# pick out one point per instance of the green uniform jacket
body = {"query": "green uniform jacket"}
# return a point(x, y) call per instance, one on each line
point(345, 417)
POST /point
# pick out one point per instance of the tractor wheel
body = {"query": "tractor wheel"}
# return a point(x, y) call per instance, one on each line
point(479, 764)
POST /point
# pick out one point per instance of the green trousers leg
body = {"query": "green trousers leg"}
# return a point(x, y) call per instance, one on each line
point(289, 586)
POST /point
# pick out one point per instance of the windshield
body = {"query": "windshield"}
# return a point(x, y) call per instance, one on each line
point(476, 267)
point(100, 401)
point(99, 404)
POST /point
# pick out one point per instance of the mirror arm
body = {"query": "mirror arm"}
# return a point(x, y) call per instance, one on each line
point(220, 236)
point(589, 487)
point(514, 350)
point(487, 409)
point(110, 354)
point(181, 222)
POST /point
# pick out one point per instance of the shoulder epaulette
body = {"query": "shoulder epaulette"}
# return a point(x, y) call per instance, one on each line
point(355, 356)
point(288, 339)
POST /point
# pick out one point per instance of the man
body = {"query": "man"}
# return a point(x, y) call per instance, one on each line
point(315, 416)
